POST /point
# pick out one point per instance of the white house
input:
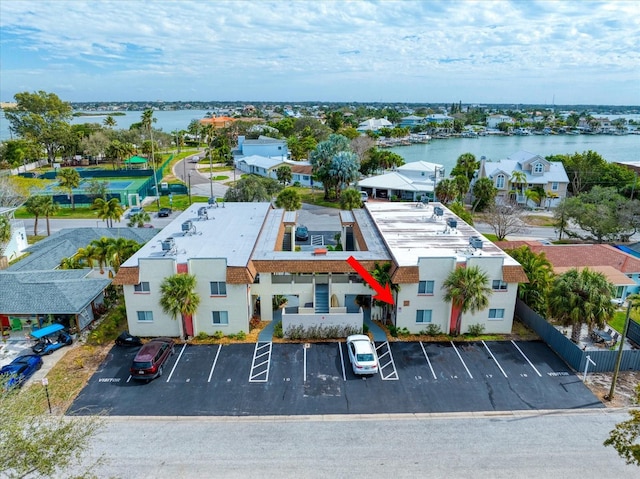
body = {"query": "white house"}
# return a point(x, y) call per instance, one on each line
point(245, 254)
point(494, 120)
point(262, 146)
point(374, 124)
point(259, 165)
point(411, 181)
point(18, 241)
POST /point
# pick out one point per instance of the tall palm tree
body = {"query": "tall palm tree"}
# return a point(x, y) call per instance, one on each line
point(101, 252)
point(139, 219)
point(86, 256)
point(539, 271)
point(382, 274)
point(68, 179)
point(179, 298)
point(467, 289)
point(34, 205)
point(147, 122)
point(581, 297)
point(109, 121)
point(121, 249)
point(518, 179)
point(49, 208)
point(108, 210)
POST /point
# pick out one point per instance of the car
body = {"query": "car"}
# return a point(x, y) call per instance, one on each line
point(364, 196)
point(126, 339)
point(19, 370)
point(50, 339)
point(148, 363)
point(362, 354)
point(134, 210)
point(302, 233)
point(164, 212)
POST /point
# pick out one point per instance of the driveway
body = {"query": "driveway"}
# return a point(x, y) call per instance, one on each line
point(316, 378)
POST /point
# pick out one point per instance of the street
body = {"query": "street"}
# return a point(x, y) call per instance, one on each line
point(523, 445)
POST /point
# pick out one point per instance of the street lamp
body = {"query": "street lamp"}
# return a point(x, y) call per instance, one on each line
point(189, 190)
point(153, 165)
point(210, 171)
point(612, 391)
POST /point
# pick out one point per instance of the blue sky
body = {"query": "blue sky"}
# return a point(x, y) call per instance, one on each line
point(576, 52)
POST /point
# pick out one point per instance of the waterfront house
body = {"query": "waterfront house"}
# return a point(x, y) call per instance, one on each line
point(410, 182)
point(411, 121)
point(494, 120)
point(374, 124)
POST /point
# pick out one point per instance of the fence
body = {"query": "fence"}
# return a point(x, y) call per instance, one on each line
point(574, 356)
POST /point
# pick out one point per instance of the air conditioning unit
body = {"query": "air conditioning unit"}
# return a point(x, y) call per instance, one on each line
point(452, 223)
point(202, 212)
point(438, 211)
point(186, 226)
point(475, 242)
point(168, 244)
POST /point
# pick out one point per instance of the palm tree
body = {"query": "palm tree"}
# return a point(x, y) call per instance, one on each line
point(121, 249)
point(147, 122)
point(109, 121)
point(101, 254)
point(467, 289)
point(5, 232)
point(70, 263)
point(49, 208)
point(445, 190)
point(34, 205)
point(85, 256)
point(581, 297)
point(108, 210)
point(382, 274)
point(179, 298)
point(289, 199)
point(539, 271)
point(138, 219)
point(68, 179)
point(518, 178)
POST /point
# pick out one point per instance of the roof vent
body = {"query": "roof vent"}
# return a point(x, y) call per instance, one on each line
point(186, 226)
point(475, 242)
point(452, 223)
point(168, 244)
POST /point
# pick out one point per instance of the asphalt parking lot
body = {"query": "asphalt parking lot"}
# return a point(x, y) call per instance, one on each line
point(316, 378)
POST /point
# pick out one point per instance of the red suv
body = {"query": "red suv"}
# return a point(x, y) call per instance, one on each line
point(148, 362)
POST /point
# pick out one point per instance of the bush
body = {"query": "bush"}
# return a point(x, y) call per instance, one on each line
point(218, 335)
point(432, 330)
point(475, 329)
point(365, 329)
point(403, 332)
point(202, 335)
point(277, 330)
point(254, 323)
point(393, 331)
point(299, 332)
point(241, 336)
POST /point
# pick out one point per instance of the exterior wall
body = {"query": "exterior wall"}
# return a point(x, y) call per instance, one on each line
point(152, 271)
point(353, 321)
point(18, 241)
point(265, 149)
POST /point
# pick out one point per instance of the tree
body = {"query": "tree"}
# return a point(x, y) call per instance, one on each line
point(138, 219)
point(625, 438)
point(11, 192)
point(505, 220)
point(445, 190)
point(35, 206)
point(109, 121)
point(86, 256)
point(68, 179)
point(108, 210)
point(289, 199)
point(284, 174)
point(581, 297)
point(484, 193)
point(343, 169)
point(350, 199)
point(461, 186)
point(467, 289)
point(101, 252)
point(518, 180)
point(119, 250)
point(252, 188)
point(466, 165)
point(539, 271)
point(583, 169)
point(41, 117)
point(458, 208)
point(118, 151)
point(321, 160)
point(5, 233)
point(48, 208)
point(177, 297)
point(95, 145)
point(37, 444)
point(97, 189)
point(382, 274)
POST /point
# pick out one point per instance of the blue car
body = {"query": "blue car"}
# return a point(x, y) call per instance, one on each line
point(20, 369)
point(50, 339)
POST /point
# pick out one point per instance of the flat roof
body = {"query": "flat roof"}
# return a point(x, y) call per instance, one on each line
point(412, 231)
point(227, 232)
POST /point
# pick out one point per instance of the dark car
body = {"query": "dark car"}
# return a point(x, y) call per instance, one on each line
point(302, 233)
point(20, 369)
point(148, 362)
point(126, 339)
point(164, 212)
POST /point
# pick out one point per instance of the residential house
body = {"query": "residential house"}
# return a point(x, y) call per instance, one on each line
point(245, 254)
point(259, 165)
point(536, 172)
point(217, 122)
point(262, 146)
point(621, 269)
point(410, 182)
point(411, 121)
point(438, 118)
point(374, 124)
point(494, 120)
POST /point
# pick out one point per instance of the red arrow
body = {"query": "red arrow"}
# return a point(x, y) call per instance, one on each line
point(384, 294)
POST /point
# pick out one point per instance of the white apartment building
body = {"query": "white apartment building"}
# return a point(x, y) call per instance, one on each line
point(245, 253)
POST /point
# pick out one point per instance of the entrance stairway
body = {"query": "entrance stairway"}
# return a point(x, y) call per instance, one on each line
point(322, 298)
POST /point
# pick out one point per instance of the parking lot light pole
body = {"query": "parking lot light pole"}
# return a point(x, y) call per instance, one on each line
point(189, 189)
point(616, 370)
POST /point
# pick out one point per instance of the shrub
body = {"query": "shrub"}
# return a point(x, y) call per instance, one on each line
point(202, 335)
point(403, 332)
point(277, 330)
point(393, 331)
point(218, 335)
point(365, 329)
point(241, 335)
point(254, 323)
point(475, 329)
point(299, 332)
point(432, 330)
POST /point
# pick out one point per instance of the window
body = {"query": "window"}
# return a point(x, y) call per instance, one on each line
point(425, 287)
point(538, 168)
point(145, 316)
point(218, 288)
point(142, 287)
point(220, 317)
point(496, 314)
point(423, 316)
point(499, 285)
point(554, 186)
point(305, 177)
point(500, 181)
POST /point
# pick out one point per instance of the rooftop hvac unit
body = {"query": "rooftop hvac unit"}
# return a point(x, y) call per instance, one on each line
point(202, 212)
point(186, 226)
point(212, 201)
point(452, 223)
point(168, 244)
point(476, 242)
point(438, 211)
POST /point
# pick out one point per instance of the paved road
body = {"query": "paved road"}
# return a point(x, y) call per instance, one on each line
point(532, 445)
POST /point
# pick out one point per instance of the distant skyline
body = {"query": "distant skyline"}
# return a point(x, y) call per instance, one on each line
point(529, 52)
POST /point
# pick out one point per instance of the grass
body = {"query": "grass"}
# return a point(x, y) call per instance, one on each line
point(617, 322)
point(490, 236)
point(63, 213)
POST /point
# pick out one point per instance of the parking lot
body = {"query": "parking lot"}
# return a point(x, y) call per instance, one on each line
point(316, 378)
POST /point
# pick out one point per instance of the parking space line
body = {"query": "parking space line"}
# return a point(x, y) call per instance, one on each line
point(260, 370)
point(344, 373)
point(177, 361)
point(494, 358)
point(526, 358)
point(461, 360)
point(214, 363)
point(428, 362)
point(393, 375)
point(304, 362)
point(129, 378)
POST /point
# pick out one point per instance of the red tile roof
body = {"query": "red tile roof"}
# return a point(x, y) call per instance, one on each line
point(576, 255)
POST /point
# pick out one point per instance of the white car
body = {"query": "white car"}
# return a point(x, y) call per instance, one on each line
point(364, 196)
point(362, 354)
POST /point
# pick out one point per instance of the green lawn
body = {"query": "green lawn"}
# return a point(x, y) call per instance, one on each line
point(619, 317)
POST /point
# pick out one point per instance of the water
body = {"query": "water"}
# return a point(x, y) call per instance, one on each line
point(446, 152)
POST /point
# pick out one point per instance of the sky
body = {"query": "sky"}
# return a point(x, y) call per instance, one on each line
point(476, 52)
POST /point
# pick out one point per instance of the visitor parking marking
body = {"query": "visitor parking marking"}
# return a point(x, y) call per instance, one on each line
point(389, 364)
point(344, 373)
point(461, 360)
point(526, 358)
point(260, 364)
point(494, 358)
point(177, 361)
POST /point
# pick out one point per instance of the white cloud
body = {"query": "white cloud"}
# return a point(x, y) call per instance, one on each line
point(323, 50)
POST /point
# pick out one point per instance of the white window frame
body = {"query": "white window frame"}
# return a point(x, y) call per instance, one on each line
point(499, 285)
point(142, 287)
point(217, 284)
point(555, 186)
point(145, 316)
point(426, 284)
point(538, 168)
point(500, 180)
point(223, 318)
point(496, 314)
point(420, 316)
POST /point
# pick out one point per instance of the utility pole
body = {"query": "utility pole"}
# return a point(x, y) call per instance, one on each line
point(153, 163)
point(211, 170)
point(611, 394)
